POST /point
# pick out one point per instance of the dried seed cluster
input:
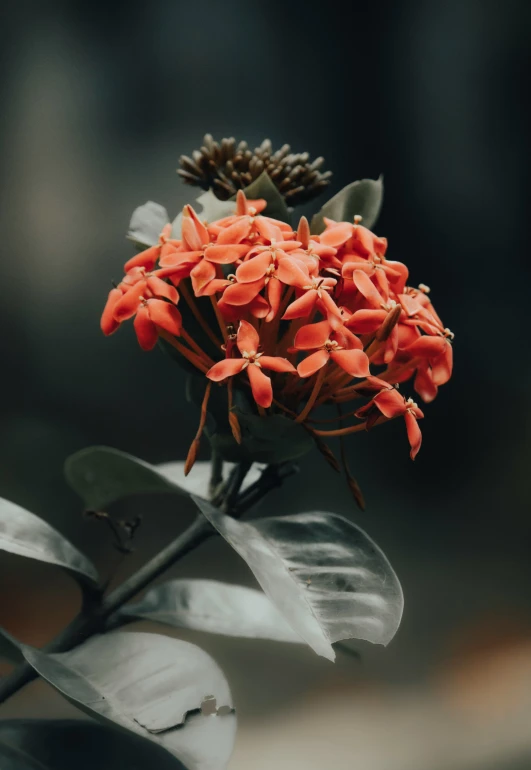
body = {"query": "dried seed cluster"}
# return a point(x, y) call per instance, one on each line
point(228, 166)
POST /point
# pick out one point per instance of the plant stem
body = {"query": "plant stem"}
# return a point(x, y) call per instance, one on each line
point(96, 611)
point(88, 623)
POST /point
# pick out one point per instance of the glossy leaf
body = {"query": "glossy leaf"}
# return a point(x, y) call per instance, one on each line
point(68, 744)
point(10, 648)
point(25, 534)
point(363, 198)
point(218, 608)
point(325, 575)
point(101, 475)
point(149, 685)
point(146, 224)
point(210, 209)
point(264, 187)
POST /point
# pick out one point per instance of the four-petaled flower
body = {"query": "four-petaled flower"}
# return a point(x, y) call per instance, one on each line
point(252, 362)
point(199, 256)
point(143, 295)
point(342, 347)
point(389, 403)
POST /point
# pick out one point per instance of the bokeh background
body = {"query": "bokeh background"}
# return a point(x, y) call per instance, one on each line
point(98, 102)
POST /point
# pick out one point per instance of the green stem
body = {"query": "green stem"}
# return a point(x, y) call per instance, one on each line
point(97, 612)
point(88, 623)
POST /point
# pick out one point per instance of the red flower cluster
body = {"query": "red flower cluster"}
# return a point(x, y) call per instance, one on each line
point(329, 317)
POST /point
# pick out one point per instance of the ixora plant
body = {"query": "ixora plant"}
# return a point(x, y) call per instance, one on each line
point(275, 321)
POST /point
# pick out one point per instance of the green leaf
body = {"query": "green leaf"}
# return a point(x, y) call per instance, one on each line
point(212, 209)
point(10, 648)
point(25, 534)
point(218, 608)
point(363, 198)
point(153, 686)
point(325, 575)
point(146, 224)
point(101, 475)
point(264, 187)
point(31, 744)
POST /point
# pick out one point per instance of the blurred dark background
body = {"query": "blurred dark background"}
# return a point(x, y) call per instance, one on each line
point(98, 102)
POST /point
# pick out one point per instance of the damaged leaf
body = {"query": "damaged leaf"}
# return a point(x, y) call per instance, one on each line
point(152, 686)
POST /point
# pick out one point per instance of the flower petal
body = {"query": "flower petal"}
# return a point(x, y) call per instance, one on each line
point(331, 310)
point(267, 229)
point(424, 384)
point(427, 347)
point(247, 338)
point(259, 307)
point(313, 363)
point(227, 368)
point(165, 315)
point(291, 272)
point(390, 403)
point(147, 258)
point(168, 249)
point(366, 287)
point(108, 323)
point(442, 366)
point(312, 336)
point(201, 276)
point(302, 307)
point(354, 362)
point(276, 364)
point(255, 268)
point(413, 433)
point(236, 232)
point(260, 386)
point(363, 240)
point(337, 235)
point(162, 289)
point(178, 258)
point(194, 231)
point(127, 306)
point(274, 294)
point(215, 286)
point(146, 331)
point(225, 255)
point(366, 321)
point(242, 293)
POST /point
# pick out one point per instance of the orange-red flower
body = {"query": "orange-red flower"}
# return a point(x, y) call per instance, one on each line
point(389, 403)
point(343, 348)
point(269, 267)
point(148, 258)
point(199, 256)
point(142, 295)
point(251, 361)
point(329, 309)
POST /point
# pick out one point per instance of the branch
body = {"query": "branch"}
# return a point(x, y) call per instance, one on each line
point(96, 611)
point(92, 622)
